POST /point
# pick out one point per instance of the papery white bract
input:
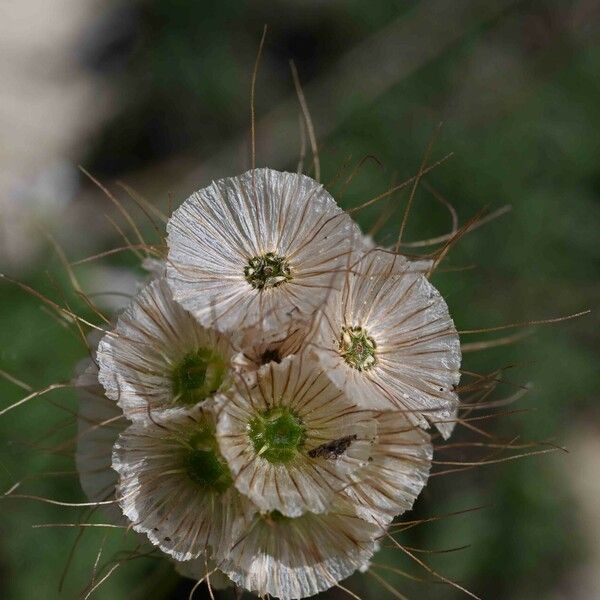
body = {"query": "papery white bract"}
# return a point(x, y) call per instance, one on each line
point(176, 488)
point(270, 431)
point(159, 357)
point(260, 249)
point(100, 421)
point(387, 339)
point(298, 557)
point(396, 473)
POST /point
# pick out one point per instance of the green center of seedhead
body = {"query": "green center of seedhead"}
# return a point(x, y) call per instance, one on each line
point(357, 348)
point(197, 375)
point(267, 271)
point(203, 463)
point(277, 435)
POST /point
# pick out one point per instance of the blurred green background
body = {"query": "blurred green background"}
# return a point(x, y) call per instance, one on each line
point(156, 93)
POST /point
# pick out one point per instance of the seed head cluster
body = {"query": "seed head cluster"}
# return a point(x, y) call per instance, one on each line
point(269, 390)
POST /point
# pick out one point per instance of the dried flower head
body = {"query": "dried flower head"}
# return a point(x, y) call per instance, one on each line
point(159, 357)
point(175, 486)
point(387, 339)
point(257, 413)
point(100, 423)
point(259, 250)
point(299, 557)
point(268, 431)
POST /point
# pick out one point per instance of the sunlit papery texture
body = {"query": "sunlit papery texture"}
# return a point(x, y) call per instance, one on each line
point(299, 386)
point(397, 472)
point(416, 357)
point(218, 230)
point(152, 336)
point(161, 499)
point(99, 423)
point(295, 558)
point(257, 348)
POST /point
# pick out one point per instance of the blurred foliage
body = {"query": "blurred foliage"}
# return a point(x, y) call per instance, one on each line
point(519, 96)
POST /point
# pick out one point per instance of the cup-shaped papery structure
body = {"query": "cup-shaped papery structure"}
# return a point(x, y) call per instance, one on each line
point(396, 472)
point(261, 249)
point(291, 438)
point(100, 421)
point(175, 487)
point(299, 557)
point(388, 341)
point(159, 358)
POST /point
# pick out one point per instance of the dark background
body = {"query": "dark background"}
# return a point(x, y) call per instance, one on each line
point(156, 93)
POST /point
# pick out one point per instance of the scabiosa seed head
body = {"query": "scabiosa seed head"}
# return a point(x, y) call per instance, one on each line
point(270, 425)
point(100, 423)
point(175, 487)
point(262, 249)
point(388, 340)
point(159, 357)
point(298, 557)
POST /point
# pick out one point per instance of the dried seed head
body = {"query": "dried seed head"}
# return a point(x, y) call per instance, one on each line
point(260, 249)
point(388, 341)
point(159, 357)
point(299, 557)
point(175, 487)
point(267, 430)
